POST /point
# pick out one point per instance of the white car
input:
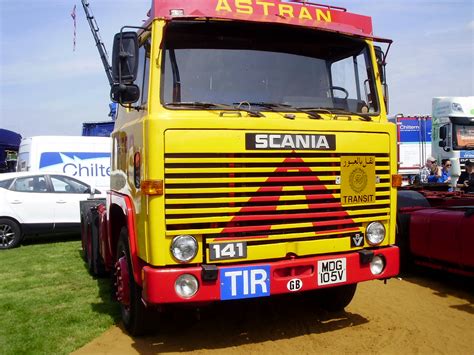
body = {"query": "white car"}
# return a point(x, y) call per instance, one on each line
point(39, 203)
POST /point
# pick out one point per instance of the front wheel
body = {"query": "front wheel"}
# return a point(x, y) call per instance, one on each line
point(335, 299)
point(135, 316)
point(10, 234)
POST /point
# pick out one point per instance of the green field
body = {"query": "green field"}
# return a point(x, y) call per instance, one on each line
point(49, 302)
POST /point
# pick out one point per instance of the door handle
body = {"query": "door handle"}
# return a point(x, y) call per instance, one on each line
point(61, 201)
point(16, 202)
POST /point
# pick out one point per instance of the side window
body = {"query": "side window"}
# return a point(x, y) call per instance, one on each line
point(63, 184)
point(5, 184)
point(143, 70)
point(352, 83)
point(30, 184)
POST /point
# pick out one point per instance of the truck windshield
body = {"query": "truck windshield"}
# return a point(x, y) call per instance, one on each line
point(463, 136)
point(235, 63)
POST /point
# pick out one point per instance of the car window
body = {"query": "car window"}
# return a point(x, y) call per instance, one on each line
point(30, 184)
point(68, 185)
point(5, 184)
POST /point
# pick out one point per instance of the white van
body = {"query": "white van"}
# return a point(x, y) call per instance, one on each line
point(86, 158)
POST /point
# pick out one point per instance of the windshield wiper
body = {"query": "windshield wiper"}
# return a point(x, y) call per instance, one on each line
point(288, 108)
point(210, 105)
point(336, 111)
point(466, 146)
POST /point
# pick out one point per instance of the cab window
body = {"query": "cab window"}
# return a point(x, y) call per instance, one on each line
point(143, 70)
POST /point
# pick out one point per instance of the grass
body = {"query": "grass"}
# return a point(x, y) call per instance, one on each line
point(49, 302)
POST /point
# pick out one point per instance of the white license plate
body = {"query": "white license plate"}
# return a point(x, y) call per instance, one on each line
point(332, 271)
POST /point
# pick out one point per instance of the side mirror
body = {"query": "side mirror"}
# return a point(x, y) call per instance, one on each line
point(443, 132)
point(443, 136)
point(385, 95)
point(379, 54)
point(92, 191)
point(124, 94)
point(125, 57)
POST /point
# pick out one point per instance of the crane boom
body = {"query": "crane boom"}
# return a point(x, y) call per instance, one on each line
point(98, 41)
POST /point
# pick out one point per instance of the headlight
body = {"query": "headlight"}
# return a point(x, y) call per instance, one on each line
point(377, 265)
point(186, 286)
point(375, 233)
point(184, 248)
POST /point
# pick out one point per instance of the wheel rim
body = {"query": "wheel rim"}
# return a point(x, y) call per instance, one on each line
point(7, 235)
point(123, 282)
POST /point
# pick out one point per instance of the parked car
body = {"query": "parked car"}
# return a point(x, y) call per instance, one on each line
point(34, 203)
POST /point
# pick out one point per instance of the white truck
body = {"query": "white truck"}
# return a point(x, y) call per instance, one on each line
point(453, 131)
point(86, 158)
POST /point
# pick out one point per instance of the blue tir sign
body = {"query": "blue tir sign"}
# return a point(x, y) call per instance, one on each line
point(245, 282)
point(77, 163)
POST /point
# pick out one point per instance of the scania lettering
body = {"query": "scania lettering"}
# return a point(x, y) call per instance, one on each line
point(290, 141)
point(251, 157)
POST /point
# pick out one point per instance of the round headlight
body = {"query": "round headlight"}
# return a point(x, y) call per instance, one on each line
point(186, 286)
point(375, 233)
point(184, 248)
point(377, 265)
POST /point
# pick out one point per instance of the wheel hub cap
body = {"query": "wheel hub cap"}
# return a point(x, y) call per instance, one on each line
point(122, 281)
point(6, 235)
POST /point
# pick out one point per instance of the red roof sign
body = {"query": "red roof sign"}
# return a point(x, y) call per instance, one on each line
point(301, 13)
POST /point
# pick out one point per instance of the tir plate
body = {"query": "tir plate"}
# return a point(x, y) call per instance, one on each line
point(245, 282)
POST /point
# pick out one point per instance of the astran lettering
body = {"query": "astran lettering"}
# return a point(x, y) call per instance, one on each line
point(249, 7)
point(290, 141)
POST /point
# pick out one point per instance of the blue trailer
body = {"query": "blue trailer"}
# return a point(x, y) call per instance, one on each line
point(98, 129)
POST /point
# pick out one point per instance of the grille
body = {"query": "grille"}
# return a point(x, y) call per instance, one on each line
point(265, 197)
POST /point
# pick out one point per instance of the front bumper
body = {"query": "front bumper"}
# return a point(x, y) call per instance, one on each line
point(267, 278)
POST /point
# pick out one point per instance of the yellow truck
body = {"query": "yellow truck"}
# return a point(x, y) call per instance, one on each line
point(251, 157)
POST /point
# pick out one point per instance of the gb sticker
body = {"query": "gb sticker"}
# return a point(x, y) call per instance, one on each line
point(294, 285)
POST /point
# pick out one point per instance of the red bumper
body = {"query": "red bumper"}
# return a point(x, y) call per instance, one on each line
point(268, 278)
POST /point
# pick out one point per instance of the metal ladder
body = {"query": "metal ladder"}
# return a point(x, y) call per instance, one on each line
point(98, 41)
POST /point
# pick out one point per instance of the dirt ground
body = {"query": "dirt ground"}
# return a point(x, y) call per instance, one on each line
point(421, 313)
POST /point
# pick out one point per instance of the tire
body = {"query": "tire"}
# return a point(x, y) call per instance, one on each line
point(88, 250)
point(335, 299)
point(10, 234)
point(97, 266)
point(406, 199)
point(135, 316)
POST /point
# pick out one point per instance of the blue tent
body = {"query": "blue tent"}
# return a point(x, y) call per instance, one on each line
point(8, 141)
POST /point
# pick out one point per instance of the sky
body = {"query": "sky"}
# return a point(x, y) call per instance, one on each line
point(46, 88)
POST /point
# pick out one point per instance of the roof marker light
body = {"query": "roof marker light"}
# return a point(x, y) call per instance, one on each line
point(176, 12)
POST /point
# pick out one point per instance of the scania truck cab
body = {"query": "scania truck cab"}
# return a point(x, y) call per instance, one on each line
point(251, 157)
